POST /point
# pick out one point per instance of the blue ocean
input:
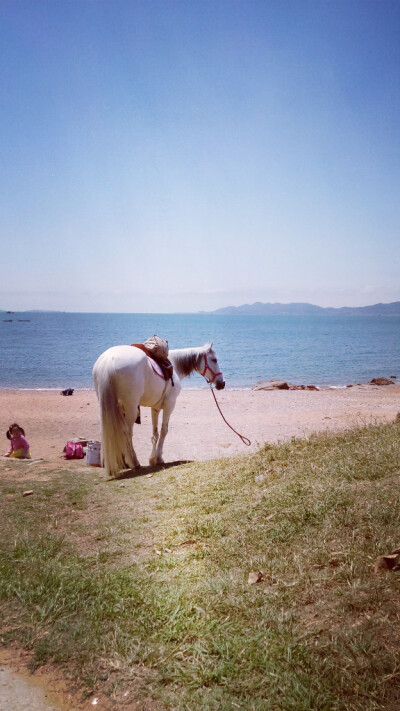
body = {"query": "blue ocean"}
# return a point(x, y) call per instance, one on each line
point(57, 350)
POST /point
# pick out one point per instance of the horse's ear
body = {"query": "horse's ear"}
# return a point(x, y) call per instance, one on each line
point(209, 346)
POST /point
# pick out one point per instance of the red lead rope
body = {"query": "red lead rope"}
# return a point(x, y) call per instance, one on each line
point(242, 437)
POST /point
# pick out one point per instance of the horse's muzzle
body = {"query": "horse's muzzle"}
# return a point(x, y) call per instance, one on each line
point(220, 386)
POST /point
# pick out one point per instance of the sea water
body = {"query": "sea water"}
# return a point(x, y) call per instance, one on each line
point(58, 350)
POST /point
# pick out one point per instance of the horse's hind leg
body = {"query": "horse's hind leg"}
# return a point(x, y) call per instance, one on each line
point(129, 454)
point(154, 439)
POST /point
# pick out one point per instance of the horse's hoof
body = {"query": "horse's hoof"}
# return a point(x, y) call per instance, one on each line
point(153, 461)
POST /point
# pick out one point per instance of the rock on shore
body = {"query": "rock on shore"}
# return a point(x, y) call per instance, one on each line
point(276, 384)
point(381, 381)
point(282, 385)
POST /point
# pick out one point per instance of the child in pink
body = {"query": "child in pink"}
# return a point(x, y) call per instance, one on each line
point(19, 445)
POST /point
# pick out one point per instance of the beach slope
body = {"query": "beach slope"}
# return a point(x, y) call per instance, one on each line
point(197, 430)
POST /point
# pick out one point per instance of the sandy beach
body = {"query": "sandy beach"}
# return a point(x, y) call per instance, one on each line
point(197, 431)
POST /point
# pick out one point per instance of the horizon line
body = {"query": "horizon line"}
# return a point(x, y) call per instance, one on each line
point(188, 313)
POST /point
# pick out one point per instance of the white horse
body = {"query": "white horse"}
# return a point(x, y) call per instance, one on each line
point(125, 378)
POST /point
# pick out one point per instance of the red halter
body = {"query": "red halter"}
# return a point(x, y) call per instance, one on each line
point(207, 367)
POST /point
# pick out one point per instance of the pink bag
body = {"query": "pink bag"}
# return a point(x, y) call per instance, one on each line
point(73, 450)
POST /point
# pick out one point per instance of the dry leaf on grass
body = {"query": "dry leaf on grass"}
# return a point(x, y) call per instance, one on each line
point(255, 577)
point(387, 562)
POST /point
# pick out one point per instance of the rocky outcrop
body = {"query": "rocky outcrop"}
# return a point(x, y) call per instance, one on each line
point(275, 384)
point(282, 385)
point(302, 387)
point(272, 385)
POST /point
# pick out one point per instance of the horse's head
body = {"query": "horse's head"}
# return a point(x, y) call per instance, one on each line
point(209, 368)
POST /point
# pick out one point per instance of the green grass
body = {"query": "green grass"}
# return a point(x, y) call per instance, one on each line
point(149, 580)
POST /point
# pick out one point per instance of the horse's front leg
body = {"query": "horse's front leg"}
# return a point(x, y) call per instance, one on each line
point(154, 439)
point(164, 431)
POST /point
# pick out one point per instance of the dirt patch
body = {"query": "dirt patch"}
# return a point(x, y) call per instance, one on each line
point(43, 690)
point(46, 689)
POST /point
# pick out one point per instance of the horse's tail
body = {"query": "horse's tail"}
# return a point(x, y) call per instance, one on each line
point(116, 430)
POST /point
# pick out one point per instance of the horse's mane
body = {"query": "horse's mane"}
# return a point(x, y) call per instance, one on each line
point(187, 360)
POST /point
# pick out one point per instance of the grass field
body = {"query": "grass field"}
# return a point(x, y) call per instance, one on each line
point(141, 583)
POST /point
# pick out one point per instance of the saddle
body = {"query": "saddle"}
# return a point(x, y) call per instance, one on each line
point(157, 350)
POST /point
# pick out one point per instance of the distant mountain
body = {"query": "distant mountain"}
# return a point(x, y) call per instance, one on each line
point(299, 309)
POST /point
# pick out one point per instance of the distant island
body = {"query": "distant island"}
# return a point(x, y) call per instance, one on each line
point(300, 309)
point(261, 309)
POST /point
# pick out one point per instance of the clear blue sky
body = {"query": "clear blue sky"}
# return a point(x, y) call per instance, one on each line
point(182, 155)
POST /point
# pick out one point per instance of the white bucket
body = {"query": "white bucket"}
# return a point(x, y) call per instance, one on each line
point(93, 456)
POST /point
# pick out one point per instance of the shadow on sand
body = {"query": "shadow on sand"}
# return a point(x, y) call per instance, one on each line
point(143, 471)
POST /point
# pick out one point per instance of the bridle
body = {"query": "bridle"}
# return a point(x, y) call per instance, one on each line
point(208, 367)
